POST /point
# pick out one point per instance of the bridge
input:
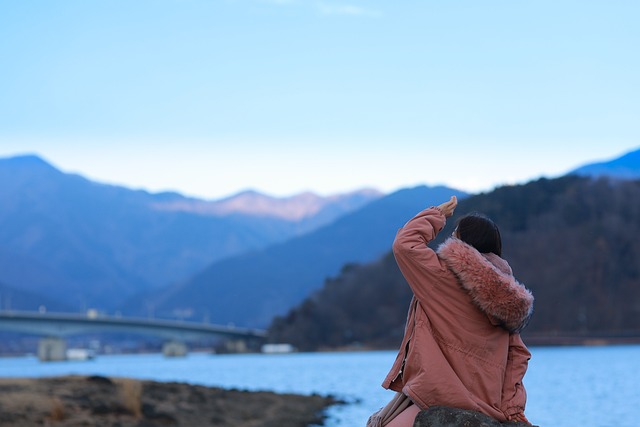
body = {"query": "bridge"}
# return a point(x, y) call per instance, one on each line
point(54, 327)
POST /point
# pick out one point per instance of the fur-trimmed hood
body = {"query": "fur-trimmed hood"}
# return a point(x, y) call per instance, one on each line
point(489, 281)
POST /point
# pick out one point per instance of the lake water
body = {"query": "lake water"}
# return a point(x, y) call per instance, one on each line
point(567, 386)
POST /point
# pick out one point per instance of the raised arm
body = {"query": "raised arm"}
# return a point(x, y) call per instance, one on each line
point(414, 258)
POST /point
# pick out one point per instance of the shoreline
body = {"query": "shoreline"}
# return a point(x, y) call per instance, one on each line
point(578, 341)
point(530, 341)
point(97, 401)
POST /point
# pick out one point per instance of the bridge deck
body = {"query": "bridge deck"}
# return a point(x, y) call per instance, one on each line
point(65, 324)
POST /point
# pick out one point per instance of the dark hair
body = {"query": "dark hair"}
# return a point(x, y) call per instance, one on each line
point(480, 232)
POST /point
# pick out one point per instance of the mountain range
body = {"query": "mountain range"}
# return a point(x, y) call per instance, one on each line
point(69, 243)
point(86, 244)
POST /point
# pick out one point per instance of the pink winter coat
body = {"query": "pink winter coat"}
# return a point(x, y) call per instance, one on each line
point(461, 346)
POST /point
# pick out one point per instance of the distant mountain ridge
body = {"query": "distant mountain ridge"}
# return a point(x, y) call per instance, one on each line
point(623, 167)
point(293, 208)
point(89, 244)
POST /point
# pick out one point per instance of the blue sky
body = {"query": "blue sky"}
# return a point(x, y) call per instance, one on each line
point(210, 97)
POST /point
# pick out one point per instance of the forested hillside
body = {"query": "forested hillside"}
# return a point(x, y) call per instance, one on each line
point(573, 241)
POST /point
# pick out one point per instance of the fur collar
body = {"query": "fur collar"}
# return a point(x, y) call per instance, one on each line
point(489, 281)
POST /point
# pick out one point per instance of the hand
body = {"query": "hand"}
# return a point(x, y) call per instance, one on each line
point(519, 417)
point(447, 208)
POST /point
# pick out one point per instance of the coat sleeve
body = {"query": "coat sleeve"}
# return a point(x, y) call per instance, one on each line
point(416, 260)
point(514, 395)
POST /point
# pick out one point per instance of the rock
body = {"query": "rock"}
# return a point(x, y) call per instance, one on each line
point(442, 416)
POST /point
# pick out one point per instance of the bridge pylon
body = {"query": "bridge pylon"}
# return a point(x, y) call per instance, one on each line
point(52, 349)
point(174, 348)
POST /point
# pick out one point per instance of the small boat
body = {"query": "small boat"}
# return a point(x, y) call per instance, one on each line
point(80, 354)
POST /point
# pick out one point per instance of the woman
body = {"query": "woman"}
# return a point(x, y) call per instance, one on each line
point(461, 346)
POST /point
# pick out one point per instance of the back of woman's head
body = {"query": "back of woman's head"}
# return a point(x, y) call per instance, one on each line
point(480, 232)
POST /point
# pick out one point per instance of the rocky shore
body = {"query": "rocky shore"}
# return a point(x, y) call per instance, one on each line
point(97, 401)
